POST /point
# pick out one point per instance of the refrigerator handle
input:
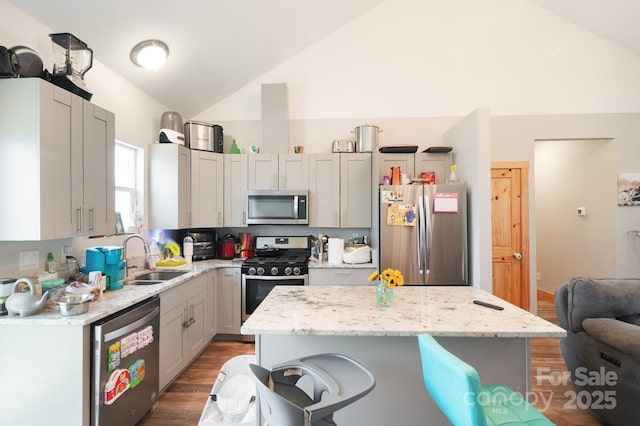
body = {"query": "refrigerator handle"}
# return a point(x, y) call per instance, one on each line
point(427, 239)
point(420, 239)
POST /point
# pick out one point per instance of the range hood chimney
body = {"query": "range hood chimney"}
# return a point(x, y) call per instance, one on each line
point(275, 118)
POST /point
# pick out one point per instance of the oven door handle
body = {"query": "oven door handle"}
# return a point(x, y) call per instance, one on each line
point(275, 277)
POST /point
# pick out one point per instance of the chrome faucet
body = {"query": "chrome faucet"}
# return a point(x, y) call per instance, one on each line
point(124, 250)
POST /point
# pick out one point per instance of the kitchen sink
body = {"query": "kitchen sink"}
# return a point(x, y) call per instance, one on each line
point(159, 275)
point(145, 282)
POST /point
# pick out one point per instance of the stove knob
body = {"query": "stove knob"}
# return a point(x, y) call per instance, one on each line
point(274, 271)
point(287, 270)
point(260, 270)
point(252, 271)
point(296, 270)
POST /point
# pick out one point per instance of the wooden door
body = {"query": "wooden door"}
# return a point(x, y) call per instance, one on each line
point(510, 232)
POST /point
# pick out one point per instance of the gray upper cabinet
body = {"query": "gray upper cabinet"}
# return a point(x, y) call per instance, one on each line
point(98, 201)
point(235, 189)
point(207, 174)
point(414, 164)
point(278, 171)
point(56, 162)
point(340, 190)
point(169, 186)
point(324, 190)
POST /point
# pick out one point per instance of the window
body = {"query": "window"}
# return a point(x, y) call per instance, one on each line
point(128, 192)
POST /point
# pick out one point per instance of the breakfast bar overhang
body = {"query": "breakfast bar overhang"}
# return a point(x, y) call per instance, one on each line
point(294, 322)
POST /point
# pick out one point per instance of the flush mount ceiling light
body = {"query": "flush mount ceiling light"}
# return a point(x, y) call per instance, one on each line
point(150, 54)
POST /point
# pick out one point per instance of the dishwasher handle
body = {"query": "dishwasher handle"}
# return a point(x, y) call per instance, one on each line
point(131, 327)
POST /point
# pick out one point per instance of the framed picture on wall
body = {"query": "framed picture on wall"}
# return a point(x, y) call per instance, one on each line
point(629, 189)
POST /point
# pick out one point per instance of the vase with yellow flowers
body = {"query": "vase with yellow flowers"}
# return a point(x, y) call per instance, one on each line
point(389, 279)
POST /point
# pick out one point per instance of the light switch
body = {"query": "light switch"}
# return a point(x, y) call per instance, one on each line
point(582, 211)
point(29, 260)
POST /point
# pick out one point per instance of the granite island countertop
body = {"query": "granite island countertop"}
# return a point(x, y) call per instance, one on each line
point(352, 311)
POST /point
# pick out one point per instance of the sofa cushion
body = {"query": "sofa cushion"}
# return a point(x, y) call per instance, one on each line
point(601, 298)
point(617, 334)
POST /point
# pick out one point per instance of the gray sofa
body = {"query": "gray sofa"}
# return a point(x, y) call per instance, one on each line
point(602, 347)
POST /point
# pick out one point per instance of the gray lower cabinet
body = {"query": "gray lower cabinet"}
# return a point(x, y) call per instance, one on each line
point(340, 276)
point(210, 323)
point(182, 326)
point(228, 315)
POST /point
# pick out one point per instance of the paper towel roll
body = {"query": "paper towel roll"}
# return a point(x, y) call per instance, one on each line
point(336, 249)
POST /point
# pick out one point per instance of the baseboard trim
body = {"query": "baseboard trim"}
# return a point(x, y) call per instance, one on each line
point(545, 295)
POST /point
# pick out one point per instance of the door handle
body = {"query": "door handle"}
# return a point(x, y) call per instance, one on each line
point(517, 256)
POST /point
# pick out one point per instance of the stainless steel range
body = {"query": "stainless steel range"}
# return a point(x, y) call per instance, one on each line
point(278, 261)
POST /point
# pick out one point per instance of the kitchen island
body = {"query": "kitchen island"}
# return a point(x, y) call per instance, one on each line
point(298, 321)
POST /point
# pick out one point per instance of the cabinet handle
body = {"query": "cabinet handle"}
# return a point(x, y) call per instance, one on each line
point(274, 182)
point(185, 323)
point(79, 219)
point(219, 218)
point(91, 220)
point(244, 218)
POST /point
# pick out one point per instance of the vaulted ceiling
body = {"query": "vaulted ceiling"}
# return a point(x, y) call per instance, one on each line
point(218, 46)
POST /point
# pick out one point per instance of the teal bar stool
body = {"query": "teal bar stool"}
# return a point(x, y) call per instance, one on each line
point(455, 387)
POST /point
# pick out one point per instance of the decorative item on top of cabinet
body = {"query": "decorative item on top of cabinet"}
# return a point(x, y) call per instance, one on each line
point(70, 143)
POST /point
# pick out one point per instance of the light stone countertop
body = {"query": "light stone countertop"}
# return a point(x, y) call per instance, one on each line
point(314, 264)
point(352, 311)
point(113, 301)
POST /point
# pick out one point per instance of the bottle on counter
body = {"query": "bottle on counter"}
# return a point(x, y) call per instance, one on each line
point(154, 255)
point(50, 265)
point(187, 248)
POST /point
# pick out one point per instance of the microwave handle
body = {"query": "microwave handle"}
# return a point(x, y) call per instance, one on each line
point(295, 207)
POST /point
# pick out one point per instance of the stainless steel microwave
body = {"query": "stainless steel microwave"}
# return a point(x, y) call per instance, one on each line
point(270, 207)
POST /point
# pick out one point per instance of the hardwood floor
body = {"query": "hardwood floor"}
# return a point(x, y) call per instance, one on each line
point(547, 364)
point(183, 401)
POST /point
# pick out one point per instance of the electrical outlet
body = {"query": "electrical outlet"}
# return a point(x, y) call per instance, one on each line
point(64, 252)
point(29, 260)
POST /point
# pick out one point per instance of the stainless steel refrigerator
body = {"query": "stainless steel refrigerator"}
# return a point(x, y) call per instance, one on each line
point(423, 233)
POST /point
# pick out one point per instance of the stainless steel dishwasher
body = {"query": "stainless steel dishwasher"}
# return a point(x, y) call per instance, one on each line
point(125, 370)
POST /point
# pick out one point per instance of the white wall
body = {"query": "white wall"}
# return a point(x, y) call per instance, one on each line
point(472, 136)
point(425, 58)
point(513, 139)
point(571, 174)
